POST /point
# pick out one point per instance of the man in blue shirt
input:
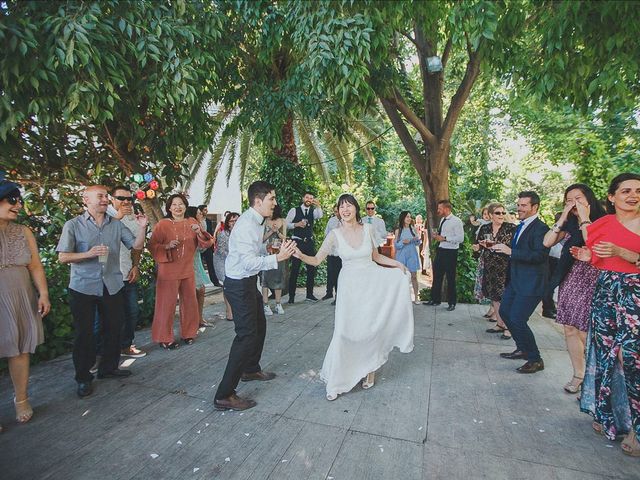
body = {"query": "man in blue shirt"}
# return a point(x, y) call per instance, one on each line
point(91, 244)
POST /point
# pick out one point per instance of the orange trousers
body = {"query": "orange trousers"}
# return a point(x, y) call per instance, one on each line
point(166, 297)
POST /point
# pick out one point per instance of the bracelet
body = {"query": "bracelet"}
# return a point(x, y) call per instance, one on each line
point(586, 222)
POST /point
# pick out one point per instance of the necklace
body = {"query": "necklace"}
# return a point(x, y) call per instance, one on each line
point(180, 251)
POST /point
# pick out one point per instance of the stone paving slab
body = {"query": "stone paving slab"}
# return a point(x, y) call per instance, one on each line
point(451, 409)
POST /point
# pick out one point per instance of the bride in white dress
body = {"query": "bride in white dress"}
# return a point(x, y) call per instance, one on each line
point(373, 304)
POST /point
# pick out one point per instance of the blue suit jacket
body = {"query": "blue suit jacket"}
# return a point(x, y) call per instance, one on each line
point(528, 263)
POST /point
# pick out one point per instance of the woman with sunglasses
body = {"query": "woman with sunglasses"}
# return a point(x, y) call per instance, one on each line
point(576, 280)
point(496, 265)
point(21, 310)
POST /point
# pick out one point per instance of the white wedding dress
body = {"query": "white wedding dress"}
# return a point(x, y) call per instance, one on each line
point(373, 314)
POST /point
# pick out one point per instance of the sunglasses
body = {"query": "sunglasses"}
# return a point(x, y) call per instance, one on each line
point(13, 199)
point(499, 213)
point(371, 208)
point(123, 199)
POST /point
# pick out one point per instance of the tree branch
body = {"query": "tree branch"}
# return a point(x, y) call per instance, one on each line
point(404, 135)
point(413, 119)
point(446, 52)
point(461, 95)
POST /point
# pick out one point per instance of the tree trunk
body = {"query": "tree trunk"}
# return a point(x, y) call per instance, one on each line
point(436, 184)
point(288, 149)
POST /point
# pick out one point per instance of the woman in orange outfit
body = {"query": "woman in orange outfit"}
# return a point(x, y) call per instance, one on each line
point(173, 244)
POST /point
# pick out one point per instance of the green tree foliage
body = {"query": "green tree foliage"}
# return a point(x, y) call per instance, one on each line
point(105, 87)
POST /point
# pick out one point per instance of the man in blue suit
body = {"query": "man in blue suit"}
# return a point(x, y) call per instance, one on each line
point(527, 281)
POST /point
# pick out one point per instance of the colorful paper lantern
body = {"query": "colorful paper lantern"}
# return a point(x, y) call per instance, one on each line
point(153, 184)
point(140, 195)
point(138, 178)
point(151, 194)
point(134, 186)
point(148, 177)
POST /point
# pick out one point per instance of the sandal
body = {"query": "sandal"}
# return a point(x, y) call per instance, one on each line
point(597, 427)
point(631, 446)
point(571, 387)
point(24, 412)
point(188, 341)
point(496, 329)
point(170, 345)
point(369, 381)
point(504, 335)
point(206, 323)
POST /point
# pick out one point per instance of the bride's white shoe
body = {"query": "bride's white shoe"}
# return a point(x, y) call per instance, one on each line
point(331, 398)
point(369, 381)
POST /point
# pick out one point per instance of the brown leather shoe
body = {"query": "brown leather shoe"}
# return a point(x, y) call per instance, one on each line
point(515, 355)
point(261, 375)
point(234, 402)
point(531, 367)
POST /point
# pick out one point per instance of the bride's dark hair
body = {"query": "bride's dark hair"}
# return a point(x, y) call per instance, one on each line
point(351, 200)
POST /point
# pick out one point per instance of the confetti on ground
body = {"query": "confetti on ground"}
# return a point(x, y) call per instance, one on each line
point(419, 428)
point(85, 413)
point(284, 461)
point(493, 383)
point(227, 459)
point(179, 442)
point(241, 413)
point(195, 469)
point(541, 431)
point(548, 410)
point(154, 455)
point(247, 434)
point(198, 431)
point(514, 423)
point(609, 446)
point(475, 421)
point(199, 410)
point(480, 421)
point(223, 414)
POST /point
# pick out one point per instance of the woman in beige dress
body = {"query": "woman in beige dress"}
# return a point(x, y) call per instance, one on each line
point(21, 310)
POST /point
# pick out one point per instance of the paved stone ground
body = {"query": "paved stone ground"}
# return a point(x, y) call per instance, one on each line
point(451, 409)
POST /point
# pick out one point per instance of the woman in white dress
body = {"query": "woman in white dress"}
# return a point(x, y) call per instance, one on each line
point(373, 306)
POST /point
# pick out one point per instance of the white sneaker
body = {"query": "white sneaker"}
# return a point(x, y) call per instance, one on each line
point(267, 311)
point(279, 309)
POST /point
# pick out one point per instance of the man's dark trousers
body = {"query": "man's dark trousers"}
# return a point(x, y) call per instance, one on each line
point(251, 328)
point(207, 258)
point(334, 264)
point(308, 249)
point(445, 264)
point(515, 311)
point(111, 311)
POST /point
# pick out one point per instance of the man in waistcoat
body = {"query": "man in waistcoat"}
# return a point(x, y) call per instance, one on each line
point(301, 219)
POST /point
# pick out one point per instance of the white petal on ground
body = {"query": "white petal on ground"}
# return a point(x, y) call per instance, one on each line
point(154, 455)
point(85, 413)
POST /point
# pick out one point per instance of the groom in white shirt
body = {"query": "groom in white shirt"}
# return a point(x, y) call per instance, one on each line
point(247, 257)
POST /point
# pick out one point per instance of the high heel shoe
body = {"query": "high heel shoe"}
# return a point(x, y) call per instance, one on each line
point(169, 345)
point(571, 387)
point(24, 412)
point(630, 445)
point(331, 397)
point(369, 381)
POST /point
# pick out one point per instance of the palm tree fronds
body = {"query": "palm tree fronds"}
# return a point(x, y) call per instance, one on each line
point(310, 144)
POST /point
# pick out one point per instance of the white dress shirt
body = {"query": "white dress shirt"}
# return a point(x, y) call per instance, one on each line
point(317, 213)
point(452, 229)
point(332, 223)
point(527, 222)
point(125, 254)
point(378, 228)
point(247, 254)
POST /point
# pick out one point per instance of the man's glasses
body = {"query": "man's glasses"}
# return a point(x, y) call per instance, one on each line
point(371, 208)
point(123, 199)
point(14, 199)
point(499, 213)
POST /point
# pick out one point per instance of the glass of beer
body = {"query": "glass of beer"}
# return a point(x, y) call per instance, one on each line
point(103, 258)
point(274, 246)
point(488, 240)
